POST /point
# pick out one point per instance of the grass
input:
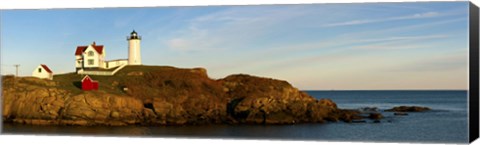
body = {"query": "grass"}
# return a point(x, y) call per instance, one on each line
point(109, 84)
point(72, 83)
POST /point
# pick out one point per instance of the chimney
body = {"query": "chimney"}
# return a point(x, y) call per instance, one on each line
point(93, 43)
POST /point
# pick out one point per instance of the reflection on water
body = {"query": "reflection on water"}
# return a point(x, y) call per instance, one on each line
point(75, 130)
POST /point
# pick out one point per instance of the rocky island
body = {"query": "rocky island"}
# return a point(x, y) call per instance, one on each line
point(163, 95)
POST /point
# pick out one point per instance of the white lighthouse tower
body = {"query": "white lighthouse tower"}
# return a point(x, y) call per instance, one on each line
point(134, 49)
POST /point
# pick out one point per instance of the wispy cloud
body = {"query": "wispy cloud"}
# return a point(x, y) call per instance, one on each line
point(193, 39)
point(239, 37)
point(390, 47)
point(367, 21)
point(398, 42)
point(342, 49)
point(439, 63)
point(400, 38)
point(233, 27)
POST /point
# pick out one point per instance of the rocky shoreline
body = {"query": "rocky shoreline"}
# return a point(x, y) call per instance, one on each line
point(167, 96)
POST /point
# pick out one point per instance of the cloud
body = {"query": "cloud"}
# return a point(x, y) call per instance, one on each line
point(367, 21)
point(241, 33)
point(398, 42)
point(234, 27)
point(311, 55)
point(237, 27)
point(440, 63)
point(193, 39)
point(340, 49)
point(178, 44)
point(389, 47)
point(400, 38)
point(422, 15)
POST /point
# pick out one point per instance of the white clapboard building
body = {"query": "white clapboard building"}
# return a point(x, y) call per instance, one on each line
point(43, 72)
point(91, 58)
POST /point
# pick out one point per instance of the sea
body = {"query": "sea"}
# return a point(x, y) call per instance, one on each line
point(447, 122)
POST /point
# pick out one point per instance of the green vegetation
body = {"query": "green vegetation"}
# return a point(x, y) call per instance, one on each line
point(138, 79)
point(72, 83)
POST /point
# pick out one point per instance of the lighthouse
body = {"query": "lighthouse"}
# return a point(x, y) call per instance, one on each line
point(134, 49)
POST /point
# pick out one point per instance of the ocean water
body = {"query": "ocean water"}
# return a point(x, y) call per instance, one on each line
point(446, 123)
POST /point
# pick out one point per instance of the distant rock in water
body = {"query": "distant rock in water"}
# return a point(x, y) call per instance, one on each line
point(162, 95)
point(408, 109)
point(400, 114)
point(359, 121)
point(368, 109)
point(375, 116)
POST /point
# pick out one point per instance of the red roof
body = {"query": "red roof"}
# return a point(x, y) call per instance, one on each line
point(81, 49)
point(87, 78)
point(45, 67)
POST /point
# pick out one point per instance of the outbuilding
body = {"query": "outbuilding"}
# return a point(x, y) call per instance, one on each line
point(89, 84)
point(43, 72)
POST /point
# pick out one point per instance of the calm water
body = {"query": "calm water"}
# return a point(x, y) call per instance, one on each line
point(446, 123)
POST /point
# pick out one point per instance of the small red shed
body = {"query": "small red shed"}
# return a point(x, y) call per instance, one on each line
point(89, 84)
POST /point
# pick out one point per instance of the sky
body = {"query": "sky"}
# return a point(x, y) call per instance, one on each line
point(362, 46)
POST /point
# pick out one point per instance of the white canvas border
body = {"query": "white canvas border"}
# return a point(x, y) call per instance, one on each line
point(49, 4)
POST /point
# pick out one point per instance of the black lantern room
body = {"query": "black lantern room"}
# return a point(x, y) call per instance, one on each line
point(134, 35)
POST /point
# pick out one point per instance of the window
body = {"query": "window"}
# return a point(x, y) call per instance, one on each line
point(39, 70)
point(90, 53)
point(90, 62)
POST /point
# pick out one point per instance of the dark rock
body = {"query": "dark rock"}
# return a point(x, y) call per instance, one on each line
point(368, 109)
point(376, 121)
point(327, 102)
point(400, 113)
point(408, 109)
point(375, 116)
point(347, 115)
point(269, 101)
point(359, 121)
